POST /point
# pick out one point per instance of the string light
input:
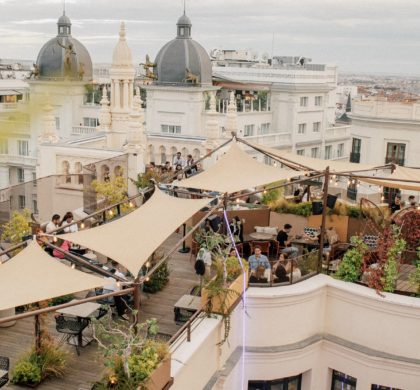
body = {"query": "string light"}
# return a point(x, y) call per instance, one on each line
point(275, 164)
point(264, 192)
point(130, 204)
point(54, 239)
point(82, 225)
point(111, 213)
point(146, 279)
point(147, 264)
point(73, 266)
point(119, 284)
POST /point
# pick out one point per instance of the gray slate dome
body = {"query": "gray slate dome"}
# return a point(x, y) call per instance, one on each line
point(64, 57)
point(180, 54)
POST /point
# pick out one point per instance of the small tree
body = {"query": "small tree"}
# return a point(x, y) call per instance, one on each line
point(17, 227)
point(350, 269)
point(112, 191)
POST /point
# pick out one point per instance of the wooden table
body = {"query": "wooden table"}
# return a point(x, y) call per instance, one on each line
point(302, 242)
point(185, 307)
point(84, 310)
point(262, 236)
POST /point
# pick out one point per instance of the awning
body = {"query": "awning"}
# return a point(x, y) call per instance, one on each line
point(9, 92)
point(33, 275)
point(310, 163)
point(412, 176)
point(132, 239)
point(236, 171)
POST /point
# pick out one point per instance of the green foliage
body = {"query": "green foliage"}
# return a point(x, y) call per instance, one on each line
point(350, 268)
point(26, 372)
point(35, 366)
point(158, 280)
point(60, 300)
point(391, 264)
point(112, 191)
point(414, 277)
point(130, 354)
point(17, 227)
point(354, 212)
point(284, 207)
point(271, 196)
point(144, 180)
point(308, 263)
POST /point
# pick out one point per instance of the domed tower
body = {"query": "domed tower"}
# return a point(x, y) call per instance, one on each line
point(176, 101)
point(63, 70)
point(183, 61)
point(64, 57)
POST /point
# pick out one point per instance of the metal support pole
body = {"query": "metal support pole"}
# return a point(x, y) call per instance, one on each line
point(184, 248)
point(137, 302)
point(37, 333)
point(324, 217)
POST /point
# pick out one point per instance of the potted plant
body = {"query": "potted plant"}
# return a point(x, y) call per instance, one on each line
point(49, 360)
point(221, 292)
point(133, 357)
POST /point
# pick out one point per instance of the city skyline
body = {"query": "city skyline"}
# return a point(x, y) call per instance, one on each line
point(379, 37)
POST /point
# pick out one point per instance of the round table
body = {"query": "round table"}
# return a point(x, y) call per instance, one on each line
point(262, 236)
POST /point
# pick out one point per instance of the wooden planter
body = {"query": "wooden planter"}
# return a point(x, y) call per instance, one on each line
point(216, 302)
point(160, 376)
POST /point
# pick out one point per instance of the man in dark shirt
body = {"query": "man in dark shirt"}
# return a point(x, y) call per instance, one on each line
point(284, 241)
point(396, 204)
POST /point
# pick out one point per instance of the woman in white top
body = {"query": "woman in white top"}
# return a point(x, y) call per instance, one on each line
point(67, 220)
point(296, 274)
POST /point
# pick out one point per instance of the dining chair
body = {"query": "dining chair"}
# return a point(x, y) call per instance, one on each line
point(264, 245)
point(71, 327)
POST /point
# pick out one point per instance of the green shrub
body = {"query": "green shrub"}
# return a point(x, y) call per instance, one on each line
point(391, 264)
point(350, 268)
point(354, 212)
point(284, 207)
point(60, 300)
point(26, 372)
point(414, 277)
point(158, 280)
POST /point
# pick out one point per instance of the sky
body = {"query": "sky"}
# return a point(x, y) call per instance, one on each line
point(370, 36)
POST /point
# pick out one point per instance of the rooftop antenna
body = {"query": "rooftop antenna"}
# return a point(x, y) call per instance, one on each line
point(272, 47)
point(184, 7)
point(64, 7)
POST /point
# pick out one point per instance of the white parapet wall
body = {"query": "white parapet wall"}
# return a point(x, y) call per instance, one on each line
point(309, 328)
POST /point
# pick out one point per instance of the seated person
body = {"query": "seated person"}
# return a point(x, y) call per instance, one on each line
point(293, 271)
point(281, 274)
point(258, 259)
point(284, 241)
point(258, 276)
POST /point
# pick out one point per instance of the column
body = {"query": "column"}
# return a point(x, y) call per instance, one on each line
point(126, 99)
point(112, 94)
point(130, 94)
point(117, 95)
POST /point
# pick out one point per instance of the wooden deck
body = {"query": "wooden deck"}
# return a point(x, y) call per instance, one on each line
point(403, 283)
point(85, 369)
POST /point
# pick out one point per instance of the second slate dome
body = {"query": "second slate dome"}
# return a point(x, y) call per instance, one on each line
point(64, 57)
point(183, 55)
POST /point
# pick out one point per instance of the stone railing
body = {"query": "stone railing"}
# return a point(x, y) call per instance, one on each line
point(272, 140)
point(83, 130)
point(337, 132)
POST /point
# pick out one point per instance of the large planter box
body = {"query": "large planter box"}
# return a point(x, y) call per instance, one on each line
point(216, 304)
point(160, 376)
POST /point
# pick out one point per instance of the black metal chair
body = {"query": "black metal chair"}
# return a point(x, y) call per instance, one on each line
point(4, 365)
point(72, 328)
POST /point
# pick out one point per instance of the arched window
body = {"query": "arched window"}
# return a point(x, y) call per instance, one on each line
point(162, 151)
point(65, 170)
point(196, 154)
point(184, 153)
point(173, 153)
point(151, 153)
point(105, 173)
point(118, 171)
point(78, 169)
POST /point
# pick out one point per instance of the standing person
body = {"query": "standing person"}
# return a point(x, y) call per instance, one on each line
point(178, 160)
point(284, 241)
point(237, 229)
point(67, 220)
point(190, 161)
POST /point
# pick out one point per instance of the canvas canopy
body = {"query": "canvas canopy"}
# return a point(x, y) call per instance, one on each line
point(315, 164)
point(400, 173)
point(33, 275)
point(236, 171)
point(132, 239)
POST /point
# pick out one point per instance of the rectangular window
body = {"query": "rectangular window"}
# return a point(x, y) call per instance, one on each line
point(265, 128)
point(4, 146)
point(35, 206)
point(170, 129)
point(34, 179)
point(302, 128)
point(21, 175)
point(316, 127)
point(23, 148)
point(22, 201)
point(300, 152)
point(342, 381)
point(314, 152)
point(328, 152)
point(318, 101)
point(355, 150)
point(395, 153)
point(340, 150)
point(90, 122)
point(57, 123)
point(249, 130)
point(378, 387)
point(304, 101)
point(290, 383)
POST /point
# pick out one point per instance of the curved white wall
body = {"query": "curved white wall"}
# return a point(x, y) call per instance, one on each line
point(311, 327)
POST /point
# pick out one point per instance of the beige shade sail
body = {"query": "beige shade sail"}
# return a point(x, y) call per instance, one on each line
point(33, 275)
point(236, 171)
point(412, 176)
point(310, 163)
point(132, 239)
